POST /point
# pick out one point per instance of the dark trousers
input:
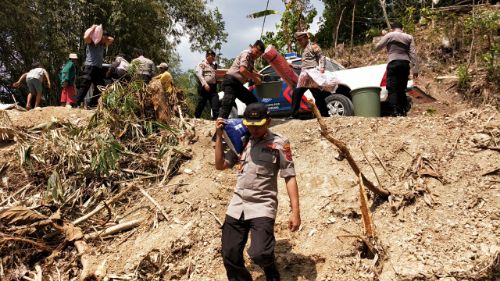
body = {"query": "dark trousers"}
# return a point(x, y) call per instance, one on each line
point(319, 98)
point(397, 80)
point(233, 89)
point(234, 237)
point(144, 77)
point(91, 75)
point(211, 96)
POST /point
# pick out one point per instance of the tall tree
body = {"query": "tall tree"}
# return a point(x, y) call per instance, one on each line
point(47, 30)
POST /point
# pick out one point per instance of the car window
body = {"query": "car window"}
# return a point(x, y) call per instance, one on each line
point(268, 71)
point(269, 75)
point(332, 66)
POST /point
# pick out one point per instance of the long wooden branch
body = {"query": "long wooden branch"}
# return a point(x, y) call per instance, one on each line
point(365, 212)
point(325, 132)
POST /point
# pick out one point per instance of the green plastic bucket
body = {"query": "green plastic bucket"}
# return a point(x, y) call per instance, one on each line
point(269, 89)
point(366, 101)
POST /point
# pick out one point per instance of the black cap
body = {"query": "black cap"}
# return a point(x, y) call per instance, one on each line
point(256, 114)
point(260, 46)
point(396, 24)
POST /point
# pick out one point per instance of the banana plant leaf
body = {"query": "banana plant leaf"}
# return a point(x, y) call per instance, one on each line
point(262, 14)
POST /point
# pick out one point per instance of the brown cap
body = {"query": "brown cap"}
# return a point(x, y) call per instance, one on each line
point(299, 34)
point(163, 65)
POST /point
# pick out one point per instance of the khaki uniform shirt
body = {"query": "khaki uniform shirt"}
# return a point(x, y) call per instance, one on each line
point(206, 73)
point(145, 66)
point(400, 46)
point(256, 190)
point(312, 57)
point(244, 59)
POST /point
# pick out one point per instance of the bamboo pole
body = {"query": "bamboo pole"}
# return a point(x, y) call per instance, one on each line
point(114, 229)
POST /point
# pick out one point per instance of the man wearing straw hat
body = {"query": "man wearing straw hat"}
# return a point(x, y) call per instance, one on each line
point(253, 207)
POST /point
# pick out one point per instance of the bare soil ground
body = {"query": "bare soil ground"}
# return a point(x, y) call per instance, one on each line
point(449, 230)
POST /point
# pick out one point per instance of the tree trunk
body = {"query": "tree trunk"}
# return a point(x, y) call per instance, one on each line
point(352, 24)
point(336, 32)
point(382, 4)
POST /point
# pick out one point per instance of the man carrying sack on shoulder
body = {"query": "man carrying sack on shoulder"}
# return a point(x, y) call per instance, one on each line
point(94, 56)
point(253, 208)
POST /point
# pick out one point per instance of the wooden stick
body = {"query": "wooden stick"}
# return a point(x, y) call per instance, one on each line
point(325, 132)
point(216, 218)
point(382, 163)
point(365, 212)
point(373, 169)
point(82, 247)
point(152, 200)
point(41, 246)
point(114, 229)
point(102, 206)
point(16, 193)
point(133, 172)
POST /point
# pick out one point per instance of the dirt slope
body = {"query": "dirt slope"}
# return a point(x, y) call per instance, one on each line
point(453, 232)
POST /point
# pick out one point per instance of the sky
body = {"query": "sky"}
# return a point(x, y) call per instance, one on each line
point(241, 30)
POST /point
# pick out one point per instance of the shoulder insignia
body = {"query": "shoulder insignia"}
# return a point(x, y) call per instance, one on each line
point(288, 151)
point(316, 48)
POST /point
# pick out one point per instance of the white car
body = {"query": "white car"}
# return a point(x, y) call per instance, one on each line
point(339, 103)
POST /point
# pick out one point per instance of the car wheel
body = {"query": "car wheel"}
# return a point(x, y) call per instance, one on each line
point(339, 105)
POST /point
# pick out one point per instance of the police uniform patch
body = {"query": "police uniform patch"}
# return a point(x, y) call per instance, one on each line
point(270, 151)
point(271, 145)
point(288, 151)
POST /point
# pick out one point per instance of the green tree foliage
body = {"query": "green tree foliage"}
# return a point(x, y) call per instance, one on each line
point(298, 16)
point(368, 20)
point(368, 15)
point(48, 30)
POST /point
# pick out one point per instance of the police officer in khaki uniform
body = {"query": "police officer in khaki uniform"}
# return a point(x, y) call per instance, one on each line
point(402, 53)
point(238, 74)
point(311, 57)
point(207, 86)
point(254, 204)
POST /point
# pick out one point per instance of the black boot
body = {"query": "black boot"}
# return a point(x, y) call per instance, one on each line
point(272, 273)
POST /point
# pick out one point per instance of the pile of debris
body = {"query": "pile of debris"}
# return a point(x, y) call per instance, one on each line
point(60, 188)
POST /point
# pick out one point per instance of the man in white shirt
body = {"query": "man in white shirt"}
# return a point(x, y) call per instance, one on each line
point(34, 79)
